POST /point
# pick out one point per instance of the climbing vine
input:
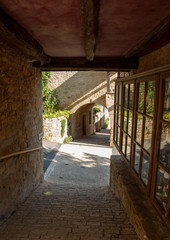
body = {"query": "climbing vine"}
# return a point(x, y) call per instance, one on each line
point(49, 97)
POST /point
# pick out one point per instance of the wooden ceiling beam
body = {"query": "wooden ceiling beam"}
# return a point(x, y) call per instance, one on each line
point(81, 64)
point(17, 37)
point(150, 38)
point(89, 11)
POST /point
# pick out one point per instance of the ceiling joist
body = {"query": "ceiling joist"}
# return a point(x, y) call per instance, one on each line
point(89, 10)
point(81, 64)
point(16, 36)
point(150, 38)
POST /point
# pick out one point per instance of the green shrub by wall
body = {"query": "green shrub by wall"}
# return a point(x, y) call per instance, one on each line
point(63, 124)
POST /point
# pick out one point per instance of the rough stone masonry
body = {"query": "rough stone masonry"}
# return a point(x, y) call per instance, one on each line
point(20, 126)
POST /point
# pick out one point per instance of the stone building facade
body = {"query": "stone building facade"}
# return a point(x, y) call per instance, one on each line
point(78, 91)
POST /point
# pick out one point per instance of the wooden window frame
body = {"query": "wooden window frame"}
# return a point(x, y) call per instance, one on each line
point(117, 105)
point(155, 138)
point(145, 116)
point(156, 162)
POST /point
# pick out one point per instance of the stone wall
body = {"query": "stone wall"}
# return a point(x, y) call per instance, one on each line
point(75, 89)
point(20, 126)
point(155, 59)
point(52, 129)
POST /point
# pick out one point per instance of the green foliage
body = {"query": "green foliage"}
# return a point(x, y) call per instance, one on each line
point(68, 139)
point(49, 97)
point(59, 113)
point(63, 124)
point(106, 122)
point(96, 109)
point(94, 133)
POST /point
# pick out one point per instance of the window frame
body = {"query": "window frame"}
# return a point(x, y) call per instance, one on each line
point(156, 162)
point(145, 116)
point(157, 120)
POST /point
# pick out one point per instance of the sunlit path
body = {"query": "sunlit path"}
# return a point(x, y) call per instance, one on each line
point(75, 201)
point(84, 161)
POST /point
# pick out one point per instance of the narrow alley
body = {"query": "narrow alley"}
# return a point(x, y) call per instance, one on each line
point(74, 202)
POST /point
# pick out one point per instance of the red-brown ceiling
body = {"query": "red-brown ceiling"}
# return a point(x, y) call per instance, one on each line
point(56, 25)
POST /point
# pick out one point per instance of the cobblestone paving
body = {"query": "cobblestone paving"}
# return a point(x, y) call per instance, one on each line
point(75, 213)
point(71, 210)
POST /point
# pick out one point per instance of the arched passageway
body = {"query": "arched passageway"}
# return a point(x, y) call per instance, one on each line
point(32, 39)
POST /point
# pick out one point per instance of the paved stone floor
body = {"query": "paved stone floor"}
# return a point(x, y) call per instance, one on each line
point(66, 208)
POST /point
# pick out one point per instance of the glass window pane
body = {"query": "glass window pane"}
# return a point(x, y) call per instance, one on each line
point(145, 168)
point(161, 190)
point(131, 96)
point(126, 95)
point(137, 158)
point(119, 116)
point(164, 153)
point(139, 128)
point(128, 146)
point(115, 132)
point(130, 124)
point(120, 94)
point(125, 120)
point(118, 136)
point(116, 114)
point(150, 98)
point(123, 143)
point(116, 94)
point(147, 134)
point(141, 96)
point(166, 110)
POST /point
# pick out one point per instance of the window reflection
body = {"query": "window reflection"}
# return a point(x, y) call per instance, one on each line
point(164, 153)
point(125, 120)
point(117, 94)
point(123, 143)
point(150, 98)
point(131, 96)
point(166, 110)
point(116, 115)
point(139, 128)
point(115, 129)
point(130, 123)
point(137, 158)
point(120, 94)
point(128, 146)
point(118, 135)
point(119, 116)
point(126, 95)
point(145, 168)
point(141, 96)
point(147, 134)
point(161, 190)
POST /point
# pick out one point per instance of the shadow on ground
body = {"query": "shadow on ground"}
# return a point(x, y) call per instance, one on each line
point(100, 138)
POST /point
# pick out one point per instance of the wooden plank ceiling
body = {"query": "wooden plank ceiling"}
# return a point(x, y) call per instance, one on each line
point(91, 34)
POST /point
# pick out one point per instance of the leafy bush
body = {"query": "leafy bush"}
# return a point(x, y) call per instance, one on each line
point(106, 122)
point(96, 109)
point(68, 139)
point(63, 124)
point(59, 113)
